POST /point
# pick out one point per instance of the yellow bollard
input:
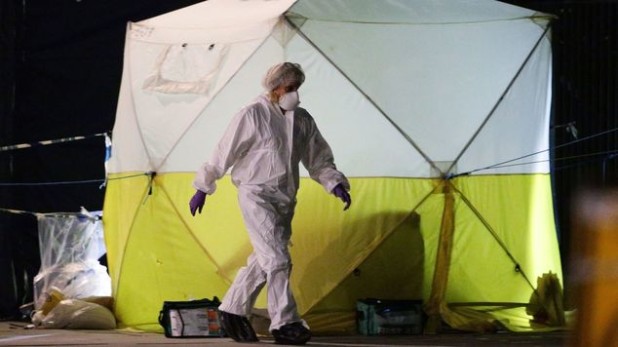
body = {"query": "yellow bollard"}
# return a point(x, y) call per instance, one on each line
point(594, 258)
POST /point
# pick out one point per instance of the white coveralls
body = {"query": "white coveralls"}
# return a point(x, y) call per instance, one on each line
point(264, 146)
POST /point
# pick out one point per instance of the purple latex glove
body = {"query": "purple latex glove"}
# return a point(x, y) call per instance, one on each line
point(343, 194)
point(197, 202)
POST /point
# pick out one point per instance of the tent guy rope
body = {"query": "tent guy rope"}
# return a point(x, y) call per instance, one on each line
point(49, 142)
point(503, 163)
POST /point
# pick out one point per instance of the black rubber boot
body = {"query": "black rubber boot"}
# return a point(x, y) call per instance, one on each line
point(292, 334)
point(237, 327)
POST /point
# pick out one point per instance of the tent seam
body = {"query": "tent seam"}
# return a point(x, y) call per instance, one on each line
point(536, 16)
point(124, 249)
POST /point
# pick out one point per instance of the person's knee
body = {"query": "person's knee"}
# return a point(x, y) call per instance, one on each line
point(272, 266)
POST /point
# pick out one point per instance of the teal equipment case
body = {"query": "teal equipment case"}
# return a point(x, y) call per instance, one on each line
point(389, 317)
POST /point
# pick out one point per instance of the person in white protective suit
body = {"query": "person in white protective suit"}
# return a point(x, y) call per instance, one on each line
point(263, 145)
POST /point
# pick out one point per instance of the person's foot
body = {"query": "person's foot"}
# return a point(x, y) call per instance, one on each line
point(292, 334)
point(237, 327)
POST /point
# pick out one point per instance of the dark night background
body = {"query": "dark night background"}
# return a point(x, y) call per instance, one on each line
point(60, 69)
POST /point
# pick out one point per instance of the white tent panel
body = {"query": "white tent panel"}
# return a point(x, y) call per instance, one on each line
point(406, 11)
point(128, 151)
point(174, 73)
point(356, 131)
point(164, 116)
point(478, 60)
point(153, 109)
point(202, 137)
point(524, 115)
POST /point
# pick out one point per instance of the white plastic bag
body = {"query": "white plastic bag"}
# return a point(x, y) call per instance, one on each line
point(77, 314)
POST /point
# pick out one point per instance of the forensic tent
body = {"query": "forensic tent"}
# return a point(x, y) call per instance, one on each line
point(437, 110)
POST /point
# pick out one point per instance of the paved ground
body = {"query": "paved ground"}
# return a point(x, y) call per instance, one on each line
point(16, 334)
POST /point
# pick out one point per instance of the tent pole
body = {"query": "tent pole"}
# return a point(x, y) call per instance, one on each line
point(436, 306)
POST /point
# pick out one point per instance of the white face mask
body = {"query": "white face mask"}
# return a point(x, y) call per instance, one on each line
point(289, 101)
